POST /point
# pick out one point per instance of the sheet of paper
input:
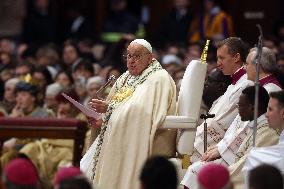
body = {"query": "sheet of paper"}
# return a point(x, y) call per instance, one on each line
point(86, 110)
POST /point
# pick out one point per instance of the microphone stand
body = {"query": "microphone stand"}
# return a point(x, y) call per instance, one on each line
point(206, 116)
point(257, 62)
point(109, 81)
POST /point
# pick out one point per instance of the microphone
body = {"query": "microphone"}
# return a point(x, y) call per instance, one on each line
point(109, 81)
point(206, 116)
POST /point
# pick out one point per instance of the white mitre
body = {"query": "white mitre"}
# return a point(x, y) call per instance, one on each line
point(144, 43)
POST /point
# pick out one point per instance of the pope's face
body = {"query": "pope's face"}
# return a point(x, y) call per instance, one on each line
point(138, 58)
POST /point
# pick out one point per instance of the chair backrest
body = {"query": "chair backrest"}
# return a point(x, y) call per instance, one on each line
point(46, 128)
point(189, 102)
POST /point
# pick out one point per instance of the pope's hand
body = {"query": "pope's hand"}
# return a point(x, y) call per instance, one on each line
point(94, 122)
point(99, 105)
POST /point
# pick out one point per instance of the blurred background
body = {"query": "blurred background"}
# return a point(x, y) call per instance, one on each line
point(52, 46)
point(22, 19)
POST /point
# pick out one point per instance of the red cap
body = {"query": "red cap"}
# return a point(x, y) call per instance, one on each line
point(66, 173)
point(213, 176)
point(21, 171)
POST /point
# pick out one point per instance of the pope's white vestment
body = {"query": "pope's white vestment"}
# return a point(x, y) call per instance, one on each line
point(138, 107)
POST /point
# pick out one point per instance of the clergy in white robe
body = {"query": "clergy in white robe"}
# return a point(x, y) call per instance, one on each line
point(231, 56)
point(237, 135)
point(138, 104)
point(268, 76)
point(267, 80)
point(234, 136)
point(265, 136)
point(273, 155)
point(271, 84)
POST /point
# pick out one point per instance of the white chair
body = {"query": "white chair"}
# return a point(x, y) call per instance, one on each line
point(188, 109)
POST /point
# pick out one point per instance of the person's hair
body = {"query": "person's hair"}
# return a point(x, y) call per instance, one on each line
point(279, 95)
point(73, 44)
point(12, 81)
point(268, 59)
point(45, 73)
point(30, 66)
point(265, 176)
point(235, 45)
point(84, 64)
point(50, 53)
point(75, 183)
point(67, 73)
point(158, 173)
point(263, 97)
point(269, 64)
point(27, 87)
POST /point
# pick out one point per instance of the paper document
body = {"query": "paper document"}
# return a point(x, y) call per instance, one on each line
point(86, 110)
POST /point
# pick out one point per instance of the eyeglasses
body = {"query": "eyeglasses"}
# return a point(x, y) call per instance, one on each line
point(135, 57)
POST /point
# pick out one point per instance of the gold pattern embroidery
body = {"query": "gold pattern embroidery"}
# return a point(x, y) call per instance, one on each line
point(122, 94)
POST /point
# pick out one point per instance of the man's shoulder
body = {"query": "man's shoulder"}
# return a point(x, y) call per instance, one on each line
point(162, 73)
point(271, 87)
point(243, 81)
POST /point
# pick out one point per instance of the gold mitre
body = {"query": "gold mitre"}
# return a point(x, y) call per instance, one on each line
point(204, 53)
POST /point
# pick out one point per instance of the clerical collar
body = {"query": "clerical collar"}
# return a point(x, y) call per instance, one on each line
point(269, 79)
point(237, 75)
point(259, 120)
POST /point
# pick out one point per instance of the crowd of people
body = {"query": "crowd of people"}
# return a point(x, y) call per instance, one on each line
point(126, 148)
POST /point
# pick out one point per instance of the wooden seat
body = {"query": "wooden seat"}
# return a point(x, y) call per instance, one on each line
point(46, 128)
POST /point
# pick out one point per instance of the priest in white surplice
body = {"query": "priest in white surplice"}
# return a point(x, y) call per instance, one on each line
point(273, 155)
point(268, 74)
point(268, 81)
point(231, 55)
point(137, 106)
point(243, 130)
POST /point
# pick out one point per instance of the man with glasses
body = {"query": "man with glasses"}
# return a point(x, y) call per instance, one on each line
point(136, 107)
